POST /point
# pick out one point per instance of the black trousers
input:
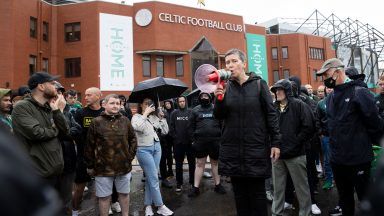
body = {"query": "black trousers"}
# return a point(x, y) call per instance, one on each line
point(348, 180)
point(166, 160)
point(250, 196)
point(180, 151)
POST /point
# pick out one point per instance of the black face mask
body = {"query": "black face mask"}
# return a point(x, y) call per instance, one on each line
point(330, 82)
point(205, 101)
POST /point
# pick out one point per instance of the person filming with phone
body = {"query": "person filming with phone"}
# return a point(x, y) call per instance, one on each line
point(250, 134)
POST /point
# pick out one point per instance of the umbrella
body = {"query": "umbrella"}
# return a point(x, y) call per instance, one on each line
point(159, 88)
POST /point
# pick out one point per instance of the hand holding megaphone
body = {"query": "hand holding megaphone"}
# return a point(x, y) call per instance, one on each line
point(208, 79)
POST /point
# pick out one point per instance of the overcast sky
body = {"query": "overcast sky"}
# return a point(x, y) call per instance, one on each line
point(367, 11)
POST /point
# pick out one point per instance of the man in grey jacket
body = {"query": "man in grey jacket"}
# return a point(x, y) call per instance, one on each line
point(37, 122)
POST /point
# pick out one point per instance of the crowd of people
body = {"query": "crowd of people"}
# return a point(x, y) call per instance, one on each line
point(271, 142)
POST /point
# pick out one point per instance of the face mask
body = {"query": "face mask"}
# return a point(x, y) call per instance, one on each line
point(330, 82)
point(204, 101)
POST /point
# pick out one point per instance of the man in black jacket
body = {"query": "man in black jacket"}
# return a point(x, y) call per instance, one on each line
point(250, 134)
point(296, 126)
point(354, 124)
point(182, 142)
point(205, 131)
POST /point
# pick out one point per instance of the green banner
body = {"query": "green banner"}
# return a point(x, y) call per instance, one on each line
point(257, 55)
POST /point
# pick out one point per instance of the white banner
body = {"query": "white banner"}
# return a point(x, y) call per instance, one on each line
point(116, 53)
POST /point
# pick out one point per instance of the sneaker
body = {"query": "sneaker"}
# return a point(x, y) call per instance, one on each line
point(288, 206)
point(315, 209)
point(163, 210)
point(194, 192)
point(75, 212)
point(86, 189)
point(178, 188)
point(110, 212)
point(207, 175)
point(336, 211)
point(327, 185)
point(220, 189)
point(116, 207)
point(166, 183)
point(319, 169)
point(269, 196)
point(148, 211)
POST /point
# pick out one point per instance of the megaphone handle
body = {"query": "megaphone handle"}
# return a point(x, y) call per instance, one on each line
point(220, 97)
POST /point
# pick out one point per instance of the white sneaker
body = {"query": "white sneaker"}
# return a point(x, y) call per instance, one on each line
point(269, 196)
point(163, 210)
point(86, 189)
point(116, 207)
point(110, 212)
point(315, 209)
point(75, 213)
point(207, 175)
point(319, 169)
point(288, 206)
point(148, 211)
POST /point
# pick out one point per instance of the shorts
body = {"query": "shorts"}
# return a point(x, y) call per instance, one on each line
point(104, 184)
point(204, 149)
point(81, 172)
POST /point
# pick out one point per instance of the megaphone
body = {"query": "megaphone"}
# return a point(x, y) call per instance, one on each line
point(207, 78)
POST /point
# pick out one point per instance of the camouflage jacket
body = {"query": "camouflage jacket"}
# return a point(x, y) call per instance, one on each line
point(111, 145)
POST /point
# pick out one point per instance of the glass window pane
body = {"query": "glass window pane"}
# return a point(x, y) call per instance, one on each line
point(179, 66)
point(160, 65)
point(285, 52)
point(276, 76)
point(274, 53)
point(286, 74)
point(146, 61)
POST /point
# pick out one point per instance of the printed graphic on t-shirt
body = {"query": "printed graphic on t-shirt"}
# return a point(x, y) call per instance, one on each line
point(87, 121)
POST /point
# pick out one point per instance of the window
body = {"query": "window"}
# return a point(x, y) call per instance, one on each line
point(160, 65)
point(274, 53)
point(72, 32)
point(33, 27)
point(276, 76)
point(44, 65)
point(179, 66)
point(72, 67)
point(32, 64)
point(45, 31)
point(316, 53)
point(146, 65)
point(286, 73)
point(284, 51)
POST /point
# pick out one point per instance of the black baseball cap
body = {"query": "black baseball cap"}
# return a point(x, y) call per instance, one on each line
point(40, 78)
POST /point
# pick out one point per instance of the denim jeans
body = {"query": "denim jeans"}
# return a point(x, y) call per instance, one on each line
point(149, 160)
point(326, 155)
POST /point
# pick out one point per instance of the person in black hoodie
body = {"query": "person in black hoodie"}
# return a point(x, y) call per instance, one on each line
point(182, 144)
point(354, 124)
point(380, 97)
point(205, 131)
point(296, 126)
point(67, 177)
point(312, 150)
point(250, 134)
point(166, 142)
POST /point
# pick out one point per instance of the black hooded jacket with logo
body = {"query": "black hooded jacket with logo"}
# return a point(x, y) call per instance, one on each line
point(204, 128)
point(179, 127)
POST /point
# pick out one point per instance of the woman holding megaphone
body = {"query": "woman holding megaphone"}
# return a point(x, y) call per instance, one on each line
point(250, 135)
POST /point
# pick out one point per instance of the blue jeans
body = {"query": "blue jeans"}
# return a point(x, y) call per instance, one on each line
point(326, 155)
point(149, 160)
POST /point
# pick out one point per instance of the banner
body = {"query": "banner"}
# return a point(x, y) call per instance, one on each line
point(257, 55)
point(116, 53)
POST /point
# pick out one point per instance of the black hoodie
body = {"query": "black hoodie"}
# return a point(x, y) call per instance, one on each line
point(204, 127)
point(179, 127)
point(295, 121)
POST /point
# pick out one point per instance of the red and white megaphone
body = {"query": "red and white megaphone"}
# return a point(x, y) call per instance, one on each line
point(207, 78)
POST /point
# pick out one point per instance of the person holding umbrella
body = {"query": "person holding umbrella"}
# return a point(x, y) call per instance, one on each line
point(148, 127)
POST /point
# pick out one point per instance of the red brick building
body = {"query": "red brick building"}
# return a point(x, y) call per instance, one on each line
point(166, 40)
